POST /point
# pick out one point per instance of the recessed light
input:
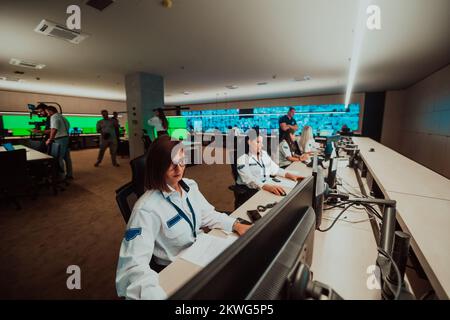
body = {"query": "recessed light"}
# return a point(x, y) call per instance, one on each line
point(26, 64)
point(232, 87)
point(261, 83)
point(305, 78)
point(13, 79)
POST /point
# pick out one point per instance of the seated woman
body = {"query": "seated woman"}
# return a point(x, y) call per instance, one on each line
point(287, 150)
point(255, 168)
point(165, 220)
point(307, 143)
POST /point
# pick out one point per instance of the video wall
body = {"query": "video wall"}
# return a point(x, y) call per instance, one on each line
point(327, 118)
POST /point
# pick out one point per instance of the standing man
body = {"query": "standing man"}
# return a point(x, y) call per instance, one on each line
point(115, 118)
point(287, 122)
point(59, 133)
point(106, 128)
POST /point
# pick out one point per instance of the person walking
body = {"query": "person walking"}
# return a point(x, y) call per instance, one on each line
point(106, 128)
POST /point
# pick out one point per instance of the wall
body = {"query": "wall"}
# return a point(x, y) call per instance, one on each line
point(17, 101)
point(417, 121)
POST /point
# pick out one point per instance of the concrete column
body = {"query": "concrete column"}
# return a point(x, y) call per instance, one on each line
point(145, 92)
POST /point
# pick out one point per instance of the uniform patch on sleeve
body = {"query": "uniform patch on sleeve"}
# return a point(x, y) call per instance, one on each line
point(172, 221)
point(132, 233)
point(241, 166)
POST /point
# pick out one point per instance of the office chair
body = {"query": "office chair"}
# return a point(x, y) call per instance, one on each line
point(241, 193)
point(138, 174)
point(125, 201)
point(135, 188)
point(75, 140)
point(15, 179)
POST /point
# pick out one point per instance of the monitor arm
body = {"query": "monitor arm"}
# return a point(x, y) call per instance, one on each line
point(302, 287)
point(394, 243)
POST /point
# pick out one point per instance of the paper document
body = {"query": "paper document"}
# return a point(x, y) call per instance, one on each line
point(285, 183)
point(206, 248)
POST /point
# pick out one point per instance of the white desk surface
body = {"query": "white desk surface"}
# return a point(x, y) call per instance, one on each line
point(397, 173)
point(427, 220)
point(32, 155)
point(341, 256)
point(423, 207)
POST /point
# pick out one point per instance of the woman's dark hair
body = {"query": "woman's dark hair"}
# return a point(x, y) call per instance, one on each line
point(288, 139)
point(163, 118)
point(159, 159)
point(252, 135)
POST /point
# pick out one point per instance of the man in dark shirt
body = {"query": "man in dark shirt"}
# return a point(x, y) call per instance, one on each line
point(287, 122)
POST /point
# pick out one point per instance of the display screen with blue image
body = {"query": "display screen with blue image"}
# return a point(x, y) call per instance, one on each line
point(325, 119)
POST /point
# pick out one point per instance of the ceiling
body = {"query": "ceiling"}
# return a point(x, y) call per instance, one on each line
point(202, 46)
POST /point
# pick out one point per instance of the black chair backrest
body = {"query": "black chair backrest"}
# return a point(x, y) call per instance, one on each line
point(233, 156)
point(123, 195)
point(138, 174)
point(13, 169)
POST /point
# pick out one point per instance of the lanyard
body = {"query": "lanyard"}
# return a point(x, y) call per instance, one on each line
point(262, 166)
point(184, 216)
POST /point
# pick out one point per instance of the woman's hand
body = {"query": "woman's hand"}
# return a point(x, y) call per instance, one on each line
point(279, 191)
point(241, 228)
point(293, 177)
point(304, 157)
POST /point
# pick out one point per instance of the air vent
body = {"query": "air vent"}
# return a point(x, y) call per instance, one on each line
point(261, 83)
point(232, 87)
point(26, 64)
point(99, 4)
point(52, 29)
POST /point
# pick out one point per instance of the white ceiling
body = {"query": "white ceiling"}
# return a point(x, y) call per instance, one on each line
point(224, 42)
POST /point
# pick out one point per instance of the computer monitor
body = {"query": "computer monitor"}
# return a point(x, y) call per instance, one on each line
point(319, 191)
point(8, 147)
point(257, 265)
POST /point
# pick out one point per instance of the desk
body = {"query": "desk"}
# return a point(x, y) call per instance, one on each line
point(32, 155)
point(423, 207)
point(396, 173)
point(340, 257)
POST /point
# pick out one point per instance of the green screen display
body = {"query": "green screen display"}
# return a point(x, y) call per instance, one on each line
point(177, 128)
point(19, 124)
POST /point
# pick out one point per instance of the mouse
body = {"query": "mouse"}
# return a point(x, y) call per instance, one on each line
point(282, 193)
point(372, 150)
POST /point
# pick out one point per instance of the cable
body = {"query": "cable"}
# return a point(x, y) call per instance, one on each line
point(336, 219)
point(350, 221)
point(397, 271)
point(337, 205)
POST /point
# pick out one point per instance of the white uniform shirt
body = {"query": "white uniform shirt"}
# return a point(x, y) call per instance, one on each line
point(310, 146)
point(58, 122)
point(254, 172)
point(285, 152)
point(156, 122)
point(155, 228)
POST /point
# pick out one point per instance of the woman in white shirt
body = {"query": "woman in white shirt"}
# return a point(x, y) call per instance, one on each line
point(165, 220)
point(307, 142)
point(255, 168)
point(287, 150)
point(159, 122)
